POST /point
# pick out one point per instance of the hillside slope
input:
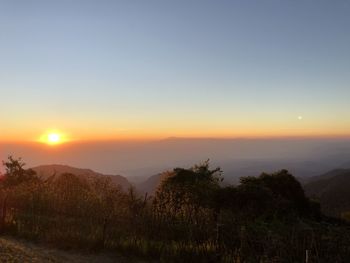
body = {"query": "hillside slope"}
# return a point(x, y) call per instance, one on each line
point(332, 191)
point(56, 169)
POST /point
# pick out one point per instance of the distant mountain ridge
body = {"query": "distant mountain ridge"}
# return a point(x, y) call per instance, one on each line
point(332, 190)
point(58, 169)
point(151, 184)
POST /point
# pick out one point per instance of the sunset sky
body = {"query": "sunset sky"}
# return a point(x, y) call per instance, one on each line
point(109, 70)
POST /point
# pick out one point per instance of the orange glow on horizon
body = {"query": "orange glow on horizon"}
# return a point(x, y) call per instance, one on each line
point(56, 138)
point(85, 133)
point(53, 138)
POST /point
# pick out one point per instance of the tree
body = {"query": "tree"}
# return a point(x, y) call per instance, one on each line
point(278, 193)
point(184, 191)
point(15, 173)
point(12, 181)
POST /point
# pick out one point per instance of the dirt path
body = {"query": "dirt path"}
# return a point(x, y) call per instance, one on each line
point(15, 251)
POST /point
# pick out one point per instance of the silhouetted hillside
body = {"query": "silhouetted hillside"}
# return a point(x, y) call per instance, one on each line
point(151, 184)
point(56, 169)
point(192, 216)
point(332, 191)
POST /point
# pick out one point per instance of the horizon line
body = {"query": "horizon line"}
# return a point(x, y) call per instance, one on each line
point(271, 137)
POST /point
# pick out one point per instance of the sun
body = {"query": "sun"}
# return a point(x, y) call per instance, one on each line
point(53, 138)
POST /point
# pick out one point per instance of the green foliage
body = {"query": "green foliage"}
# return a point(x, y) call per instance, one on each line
point(186, 192)
point(15, 174)
point(191, 218)
point(279, 194)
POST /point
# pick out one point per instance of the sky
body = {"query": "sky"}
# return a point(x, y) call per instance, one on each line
point(111, 70)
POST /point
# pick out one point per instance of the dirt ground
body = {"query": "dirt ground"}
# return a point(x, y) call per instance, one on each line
point(12, 250)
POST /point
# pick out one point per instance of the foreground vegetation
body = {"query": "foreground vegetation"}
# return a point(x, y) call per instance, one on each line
point(14, 250)
point(191, 217)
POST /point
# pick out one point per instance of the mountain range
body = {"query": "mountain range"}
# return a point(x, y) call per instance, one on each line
point(46, 171)
point(330, 189)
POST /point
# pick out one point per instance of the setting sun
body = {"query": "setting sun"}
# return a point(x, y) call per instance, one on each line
point(53, 138)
